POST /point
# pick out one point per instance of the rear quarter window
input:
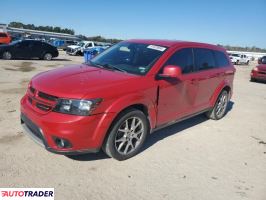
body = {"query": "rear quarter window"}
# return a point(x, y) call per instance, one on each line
point(204, 59)
point(221, 59)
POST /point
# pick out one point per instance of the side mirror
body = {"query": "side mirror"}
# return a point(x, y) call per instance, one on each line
point(171, 71)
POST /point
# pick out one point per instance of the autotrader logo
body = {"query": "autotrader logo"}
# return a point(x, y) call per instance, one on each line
point(27, 193)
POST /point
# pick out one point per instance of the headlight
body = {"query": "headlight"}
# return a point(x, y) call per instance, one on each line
point(255, 69)
point(76, 107)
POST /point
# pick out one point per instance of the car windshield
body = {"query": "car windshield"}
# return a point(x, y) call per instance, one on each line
point(135, 58)
point(81, 44)
point(236, 55)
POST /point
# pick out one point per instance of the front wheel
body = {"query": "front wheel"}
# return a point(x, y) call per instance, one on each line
point(127, 135)
point(7, 55)
point(219, 110)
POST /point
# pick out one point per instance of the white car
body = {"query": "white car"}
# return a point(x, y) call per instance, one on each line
point(79, 48)
point(239, 59)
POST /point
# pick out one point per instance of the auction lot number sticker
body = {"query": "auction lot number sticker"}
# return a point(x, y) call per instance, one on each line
point(26, 193)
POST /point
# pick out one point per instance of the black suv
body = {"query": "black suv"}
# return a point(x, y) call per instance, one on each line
point(27, 49)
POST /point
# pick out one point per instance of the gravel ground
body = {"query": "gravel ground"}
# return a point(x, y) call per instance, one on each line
point(195, 159)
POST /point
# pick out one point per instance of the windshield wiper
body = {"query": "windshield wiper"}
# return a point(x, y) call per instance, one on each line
point(93, 64)
point(113, 67)
point(106, 66)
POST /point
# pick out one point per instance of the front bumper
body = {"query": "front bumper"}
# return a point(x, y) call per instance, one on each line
point(85, 133)
point(71, 51)
point(258, 75)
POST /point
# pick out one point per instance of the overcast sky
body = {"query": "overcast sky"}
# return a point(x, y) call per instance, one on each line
point(232, 22)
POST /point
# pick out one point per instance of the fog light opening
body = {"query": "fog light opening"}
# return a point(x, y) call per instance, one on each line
point(62, 143)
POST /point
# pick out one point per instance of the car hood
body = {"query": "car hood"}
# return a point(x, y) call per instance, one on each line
point(74, 46)
point(262, 67)
point(79, 81)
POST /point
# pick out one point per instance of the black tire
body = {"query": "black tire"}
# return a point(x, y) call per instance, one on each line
point(7, 55)
point(237, 62)
point(220, 108)
point(247, 62)
point(119, 140)
point(47, 56)
point(252, 79)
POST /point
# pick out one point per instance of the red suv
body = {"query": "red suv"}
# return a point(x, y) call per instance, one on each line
point(258, 73)
point(133, 88)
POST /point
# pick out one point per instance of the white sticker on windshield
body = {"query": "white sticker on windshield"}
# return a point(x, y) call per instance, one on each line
point(155, 47)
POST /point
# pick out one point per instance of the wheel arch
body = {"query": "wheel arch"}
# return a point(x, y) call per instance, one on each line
point(223, 86)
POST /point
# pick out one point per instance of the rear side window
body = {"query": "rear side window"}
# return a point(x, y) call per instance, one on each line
point(221, 59)
point(204, 59)
point(3, 35)
point(182, 58)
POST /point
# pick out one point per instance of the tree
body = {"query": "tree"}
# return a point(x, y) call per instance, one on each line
point(56, 29)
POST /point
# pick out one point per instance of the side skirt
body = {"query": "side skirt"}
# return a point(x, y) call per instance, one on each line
point(179, 120)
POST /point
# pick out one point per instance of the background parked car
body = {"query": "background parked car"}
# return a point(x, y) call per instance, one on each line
point(259, 72)
point(239, 59)
point(81, 46)
point(5, 38)
point(27, 49)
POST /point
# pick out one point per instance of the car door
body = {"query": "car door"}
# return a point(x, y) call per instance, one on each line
point(176, 97)
point(206, 77)
point(36, 49)
point(21, 49)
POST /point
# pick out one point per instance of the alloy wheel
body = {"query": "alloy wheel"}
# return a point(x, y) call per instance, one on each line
point(129, 135)
point(221, 105)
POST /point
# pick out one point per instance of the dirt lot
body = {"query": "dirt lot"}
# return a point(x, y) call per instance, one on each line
point(195, 159)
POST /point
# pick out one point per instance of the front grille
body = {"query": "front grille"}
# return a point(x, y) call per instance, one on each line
point(41, 101)
point(262, 72)
point(70, 50)
point(47, 96)
point(32, 127)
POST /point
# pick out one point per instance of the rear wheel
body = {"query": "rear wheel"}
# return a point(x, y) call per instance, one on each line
point(7, 55)
point(47, 56)
point(127, 135)
point(219, 110)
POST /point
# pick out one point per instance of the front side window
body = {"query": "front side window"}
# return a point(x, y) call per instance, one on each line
point(88, 45)
point(221, 59)
point(204, 59)
point(135, 58)
point(182, 58)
